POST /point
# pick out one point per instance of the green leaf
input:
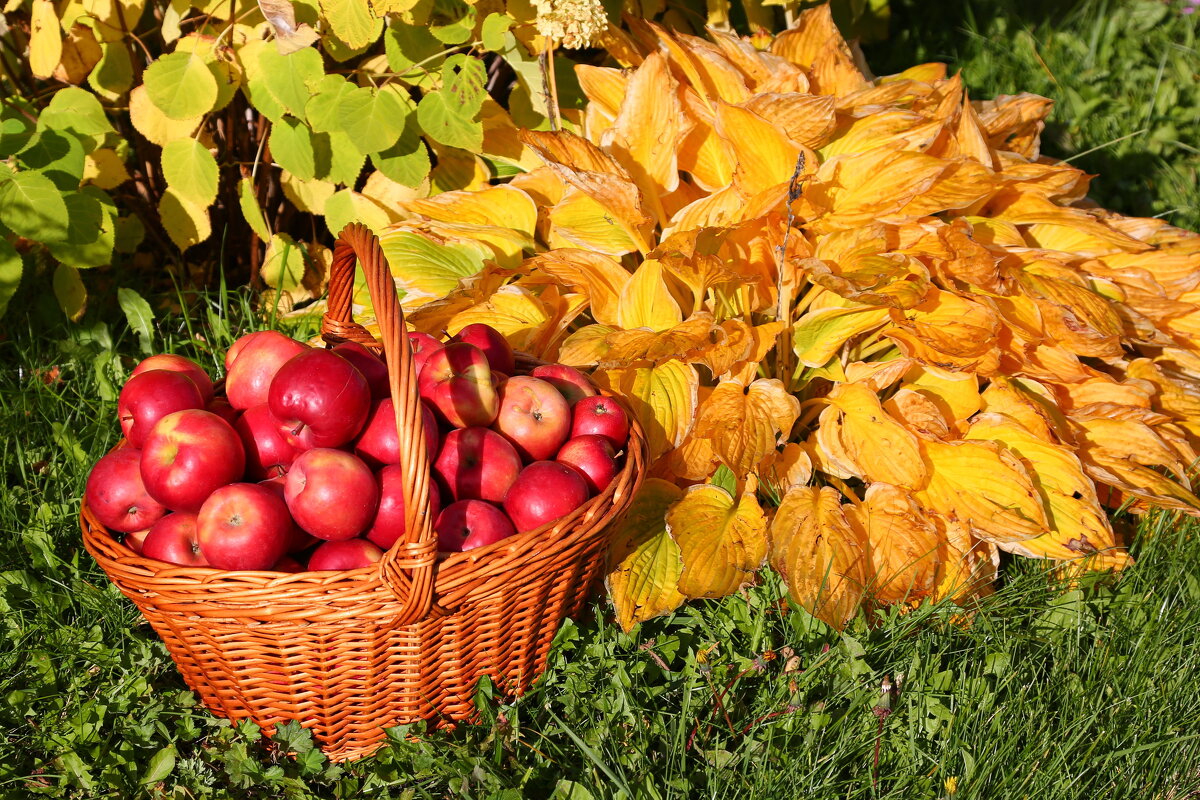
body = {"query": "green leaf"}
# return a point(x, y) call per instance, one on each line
point(11, 267)
point(31, 206)
point(407, 161)
point(492, 33)
point(446, 121)
point(181, 85)
point(289, 77)
point(464, 77)
point(348, 206)
point(452, 21)
point(68, 289)
point(725, 479)
point(406, 45)
point(113, 74)
point(141, 320)
point(373, 120)
point(91, 233)
point(187, 223)
point(59, 155)
point(15, 132)
point(338, 50)
point(255, 84)
point(284, 264)
point(352, 22)
point(426, 268)
point(322, 110)
point(345, 161)
point(292, 148)
point(128, 234)
point(78, 110)
point(161, 765)
point(251, 211)
point(191, 171)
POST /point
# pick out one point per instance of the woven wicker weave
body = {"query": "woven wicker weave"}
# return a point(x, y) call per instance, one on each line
point(348, 654)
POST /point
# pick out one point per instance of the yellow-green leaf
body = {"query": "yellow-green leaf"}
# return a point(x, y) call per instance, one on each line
point(181, 85)
point(191, 171)
point(283, 266)
point(187, 223)
point(663, 398)
point(723, 542)
point(644, 561)
point(45, 39)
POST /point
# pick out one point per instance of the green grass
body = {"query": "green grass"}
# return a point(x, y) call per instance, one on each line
point(1124, 75)
point(1050, 693)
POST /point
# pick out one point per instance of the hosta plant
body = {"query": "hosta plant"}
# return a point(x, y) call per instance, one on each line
point(873, 335)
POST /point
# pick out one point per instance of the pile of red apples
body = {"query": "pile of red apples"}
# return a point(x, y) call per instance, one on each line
point(298, 466)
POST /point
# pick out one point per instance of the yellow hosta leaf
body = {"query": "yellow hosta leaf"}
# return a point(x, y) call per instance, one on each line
point(807, 37)
point(514, 311)
point(856, 189)
point(986, 488)
point(585, 347)
point(578, 220)
point(598, 276)
point(389, 194)
point(683, 341)
point(644, 135)
point(821, 557)
point(704, 155)
point(1078, 525)
point(765, 157)
point(819, 335)
point(948, 331)
point(723, 542)
point(857, 438)
point(744, 423)
point(45, 39)
point(603, 86)
point(646, 302)
point(428, 266)
point(920, 415)
point(956, 394)
point(807, 119)
point(904, 549)
point(970, 565)
point(495, 206)
point(644, 561)
point(663, 398)
point(786, 468)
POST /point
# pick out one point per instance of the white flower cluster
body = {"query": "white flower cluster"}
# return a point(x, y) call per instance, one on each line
point(571, 23)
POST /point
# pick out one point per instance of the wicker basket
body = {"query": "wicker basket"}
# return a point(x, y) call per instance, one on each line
point(348, 654)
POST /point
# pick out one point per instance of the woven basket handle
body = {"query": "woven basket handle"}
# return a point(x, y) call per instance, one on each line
point(407, 568)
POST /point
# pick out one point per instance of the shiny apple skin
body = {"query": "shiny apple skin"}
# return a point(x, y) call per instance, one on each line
point(188, 455)
point(379, 442)
point(602, 416)
point(175, 539)
point(369, 364)
point(149, 396)
point(388, 525)
point(320, 399)
point(534, 417)
point(251, 364)
point(493, 344)
point(544, 492)
point(477, 464)
point(343, 555)
point(469, 524)
point(331, 493)
point(593, 457)
point(570, 382)
point(117, 496)
point(457, 383)
point(243, 526)
point(268, 451)
point(175, 363)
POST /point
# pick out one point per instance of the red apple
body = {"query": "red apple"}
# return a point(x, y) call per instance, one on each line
point(150, 396)
point(134, 540)
point(602, 416)
point(572, 383)
point(331, 493)
point(457, 382)
point(389, 519)
point(593, 457)
point(251, 364)
point(174, 363)
point(174, 539)
point(220, 406)
point(346, 554)
point(533, 416)
point(379, 443)
point(369, 364)
point(423, 346)
point(287, 564)
point(299, 539)
point(493, 344)
point(268, 451)
point(468, 524)
point(243, 526)
point(320, 400)
point(117, 496)
point(189, 454)
point(545, 491)
point(477, 464)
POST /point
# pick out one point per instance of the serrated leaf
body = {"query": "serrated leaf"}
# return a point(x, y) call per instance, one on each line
point(292, 148)
point(187, 223)
point(447, 122)
point(75, 109)
point(181, 86)
point(70, 292)
point(406, 161)
point(310, 196)
point(255, 84)
point(464, 79)
point(344, 161)
point(251, 211)
point(349, 206)
point(406, 45)
point(323, 108)
point(289, 36)
point(45, 39)
point(112, 76)
point(128, 234)
point(11, 267)
point(452, 21)
point(58, 155)
point(105, 169)
point(287, 77)
point(494, 27)
point(722, 541)
point(644, 561)
point(352, 22)
point(373, 119)
point(284, 263)
point(191, 171)
point(139, 316)
point(156, 126)
point(33, 207)
point(91, 233)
